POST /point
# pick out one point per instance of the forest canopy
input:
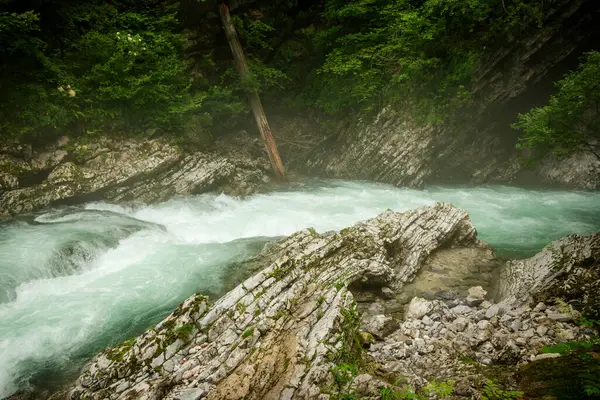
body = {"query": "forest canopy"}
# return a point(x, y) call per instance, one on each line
point(163, 67)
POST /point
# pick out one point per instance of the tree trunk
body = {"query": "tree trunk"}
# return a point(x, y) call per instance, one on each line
point(255, 103)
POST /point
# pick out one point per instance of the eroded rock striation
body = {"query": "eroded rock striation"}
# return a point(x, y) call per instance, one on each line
point(568, 268)
point(283, 332)
point(123, 170)
point(277, 334)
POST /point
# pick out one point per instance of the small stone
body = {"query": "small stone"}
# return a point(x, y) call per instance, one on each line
point(545, 356)
point(521, 341)
point(379, 325)
point(476, 296)
point(459, 324)
point(505, 319)
point(516, 325)
point(418, 308)
point(529, 333)
point(480, 315)
point(560, 317)
point(387, 293)
point(427, 321)
point(485, 305)
point(492, 311)
point(539, 307)
point(485, 361)
point(541, 330)
point(565, 334)
point(461, 310)
point(191, 394)
point(483, 325)
point(419, 343)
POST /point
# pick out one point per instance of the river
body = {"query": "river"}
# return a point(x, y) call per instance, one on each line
point(76, 279)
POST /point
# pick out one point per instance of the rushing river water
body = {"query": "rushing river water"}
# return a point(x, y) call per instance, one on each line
point(75, 280)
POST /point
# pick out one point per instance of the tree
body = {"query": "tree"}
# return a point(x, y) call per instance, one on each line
point(570, 122)
point(255, 103)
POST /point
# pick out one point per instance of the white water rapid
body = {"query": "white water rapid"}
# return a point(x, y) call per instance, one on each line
point(74, 280)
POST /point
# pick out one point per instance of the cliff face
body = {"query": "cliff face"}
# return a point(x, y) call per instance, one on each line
point(394, 148)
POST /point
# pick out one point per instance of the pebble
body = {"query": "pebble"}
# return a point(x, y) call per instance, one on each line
point(560, 317)
point(545, 356)
point(492, 311)
point(516, 325)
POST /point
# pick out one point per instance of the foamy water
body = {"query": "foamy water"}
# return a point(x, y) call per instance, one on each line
point(75, 280)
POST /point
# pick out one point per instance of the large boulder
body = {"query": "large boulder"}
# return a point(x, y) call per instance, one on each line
point(278, 334)
point(568, 269)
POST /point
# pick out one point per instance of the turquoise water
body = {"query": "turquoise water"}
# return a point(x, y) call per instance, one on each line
point(75, 280)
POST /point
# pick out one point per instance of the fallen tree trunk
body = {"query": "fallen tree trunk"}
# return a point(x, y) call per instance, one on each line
point(255, 103)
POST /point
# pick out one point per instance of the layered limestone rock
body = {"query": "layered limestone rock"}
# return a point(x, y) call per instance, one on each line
point(568, 268)
point(278, 333)
point(399, 149)
point(288, 331)
point(123, 170)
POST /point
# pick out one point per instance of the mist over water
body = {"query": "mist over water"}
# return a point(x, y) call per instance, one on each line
point(75, 280)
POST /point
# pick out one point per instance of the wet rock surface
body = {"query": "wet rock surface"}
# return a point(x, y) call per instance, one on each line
point(126, 170)
point(284, 332)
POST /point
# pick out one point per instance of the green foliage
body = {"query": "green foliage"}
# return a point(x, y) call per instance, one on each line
point(280, 271)
point(98, 66)
point(248, 332)
point(439, 389)
point(344, 373)
point(492, 391)
point(433, 390)
point(422, 54)
point(147, 68)
point(562, 306)
point(566, 348)
point(570, 122)
point(116, 67)
point(184, 331)
point(588, 322)
point(348, 360)
point(253, 31)
point(588, 372)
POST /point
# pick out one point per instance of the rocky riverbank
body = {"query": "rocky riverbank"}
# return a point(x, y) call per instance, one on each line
point(71, 171)
point(478, 144)
point(294, 329)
